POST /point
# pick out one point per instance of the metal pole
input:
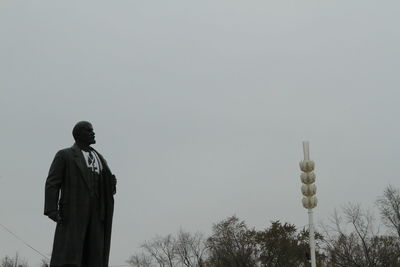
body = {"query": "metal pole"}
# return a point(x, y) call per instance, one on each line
point(312, 238)
point(306, 152)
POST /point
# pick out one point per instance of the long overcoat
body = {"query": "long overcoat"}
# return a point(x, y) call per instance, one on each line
point(67, 190)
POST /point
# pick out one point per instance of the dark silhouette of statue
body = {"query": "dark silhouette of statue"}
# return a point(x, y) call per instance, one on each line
point(79, 197)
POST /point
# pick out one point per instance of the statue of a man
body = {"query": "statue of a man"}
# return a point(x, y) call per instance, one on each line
point(79, 197)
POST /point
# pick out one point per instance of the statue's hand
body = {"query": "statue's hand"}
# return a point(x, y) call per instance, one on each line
point(55, 216)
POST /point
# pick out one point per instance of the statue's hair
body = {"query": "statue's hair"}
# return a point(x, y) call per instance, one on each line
point(77, 128)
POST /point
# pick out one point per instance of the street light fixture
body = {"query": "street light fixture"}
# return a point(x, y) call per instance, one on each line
point(309, 190)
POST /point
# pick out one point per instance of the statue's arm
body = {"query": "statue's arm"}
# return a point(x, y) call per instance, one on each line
point(114, 184)
point(53, 184)
point(108, 171)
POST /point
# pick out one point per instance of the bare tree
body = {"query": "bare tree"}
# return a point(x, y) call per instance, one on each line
point(190, 249)
point(162, 249)
point(184, 250)
point(389, 208)
point(7, 262)
point(353, 240)
point(140, 260)
point(13, 262)
point(232, 245)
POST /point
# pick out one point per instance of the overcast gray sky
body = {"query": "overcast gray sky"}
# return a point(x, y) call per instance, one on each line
point(200, 108)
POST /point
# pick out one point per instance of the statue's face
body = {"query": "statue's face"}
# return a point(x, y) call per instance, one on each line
point(86, 134)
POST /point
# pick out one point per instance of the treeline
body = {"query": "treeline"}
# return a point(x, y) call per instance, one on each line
point(16, 261)
point(354, 237)
point(231, 244)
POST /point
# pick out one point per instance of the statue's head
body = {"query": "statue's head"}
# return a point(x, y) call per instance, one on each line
point(83, 133)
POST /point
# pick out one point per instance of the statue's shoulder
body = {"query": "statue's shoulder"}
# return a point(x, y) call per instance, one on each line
point(65, 152)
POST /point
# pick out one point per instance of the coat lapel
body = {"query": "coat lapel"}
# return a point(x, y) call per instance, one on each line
point(80, 162)
point(103, 161)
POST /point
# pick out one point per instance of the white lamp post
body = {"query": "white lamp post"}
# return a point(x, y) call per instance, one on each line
point(309, 190)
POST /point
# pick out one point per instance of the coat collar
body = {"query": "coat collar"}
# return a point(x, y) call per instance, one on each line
point(80, 160)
